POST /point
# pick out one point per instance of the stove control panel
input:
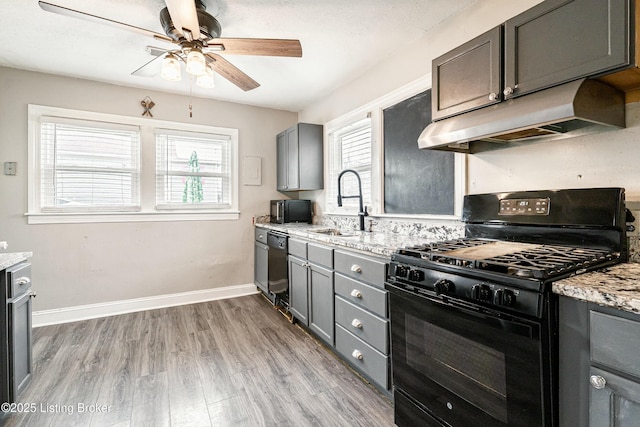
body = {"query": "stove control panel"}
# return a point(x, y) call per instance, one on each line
point(524, 207)
point(438, 284)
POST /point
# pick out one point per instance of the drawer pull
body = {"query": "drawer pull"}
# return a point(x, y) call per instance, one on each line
point(356, 268)
point(356, 323)
point(598, 382)
point(23, 281)
point(357, 354)
point(356, 293)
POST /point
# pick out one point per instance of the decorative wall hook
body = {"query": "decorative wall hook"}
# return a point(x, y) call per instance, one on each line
point(147, 104)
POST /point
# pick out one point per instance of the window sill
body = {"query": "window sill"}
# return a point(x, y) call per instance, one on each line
point(78, 218)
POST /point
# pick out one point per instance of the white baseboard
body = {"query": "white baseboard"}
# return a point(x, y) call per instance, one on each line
point(92, 311)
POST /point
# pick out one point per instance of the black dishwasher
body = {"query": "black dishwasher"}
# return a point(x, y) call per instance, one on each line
point(15, 334)
point(278, 280)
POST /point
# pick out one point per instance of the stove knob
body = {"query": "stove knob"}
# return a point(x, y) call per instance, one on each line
point(401, 271)
point(416, 275)
point(444, 286)
point(508, 298)
point(481, 293)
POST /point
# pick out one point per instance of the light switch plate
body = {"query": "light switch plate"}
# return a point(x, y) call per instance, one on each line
point(10, 168)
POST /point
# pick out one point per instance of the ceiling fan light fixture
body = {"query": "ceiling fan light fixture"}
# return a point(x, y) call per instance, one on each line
point(170, 68)
point(206, 80)
point(196, 64)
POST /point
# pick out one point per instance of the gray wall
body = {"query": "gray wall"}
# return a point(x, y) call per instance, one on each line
point(77, 264)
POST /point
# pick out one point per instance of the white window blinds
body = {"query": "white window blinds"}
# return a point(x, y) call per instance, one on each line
point(350, 149)
point(88, 166)
point(193, 170)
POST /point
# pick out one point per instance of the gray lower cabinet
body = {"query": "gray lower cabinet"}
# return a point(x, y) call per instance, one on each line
point(361, 314)
point(15, 346)
point(311, 287)
point(299, 289)
point(261, 260)
point(599, 366)
point(299, 158)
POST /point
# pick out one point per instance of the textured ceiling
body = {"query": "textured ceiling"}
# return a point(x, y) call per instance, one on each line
point(340, 41)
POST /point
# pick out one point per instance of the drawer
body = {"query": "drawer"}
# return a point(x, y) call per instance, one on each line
point(18, 279)
point(368, 297)
point(362, 356)
point(615, 342)
point(298, 248)
point(261, 235)
point(370, 270)
point(364, 325)
point(319, 254)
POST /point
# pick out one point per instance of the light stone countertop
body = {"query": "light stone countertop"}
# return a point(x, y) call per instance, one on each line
point(617, 286)
point(13, 258)
point(375, 243)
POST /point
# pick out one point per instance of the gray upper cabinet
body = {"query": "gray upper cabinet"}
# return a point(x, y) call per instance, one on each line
point(554, 42)
point(299, 152)
point(562, 40)
point(469, 76)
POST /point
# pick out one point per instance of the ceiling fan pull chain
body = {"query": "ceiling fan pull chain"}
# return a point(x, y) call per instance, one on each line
point(190, 98)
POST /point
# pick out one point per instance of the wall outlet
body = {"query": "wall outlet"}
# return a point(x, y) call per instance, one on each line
point(10, 168)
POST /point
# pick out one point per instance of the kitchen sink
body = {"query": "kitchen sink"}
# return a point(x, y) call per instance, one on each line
point(334, 232)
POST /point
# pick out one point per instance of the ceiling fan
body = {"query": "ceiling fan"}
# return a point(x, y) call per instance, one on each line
point(197, 36)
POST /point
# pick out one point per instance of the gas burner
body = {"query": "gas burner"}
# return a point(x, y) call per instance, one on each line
point(523, 260)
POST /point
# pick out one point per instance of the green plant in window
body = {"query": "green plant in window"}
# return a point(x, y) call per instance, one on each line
point(193, 186)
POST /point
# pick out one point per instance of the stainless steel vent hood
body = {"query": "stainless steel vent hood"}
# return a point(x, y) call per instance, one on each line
point(575, 108)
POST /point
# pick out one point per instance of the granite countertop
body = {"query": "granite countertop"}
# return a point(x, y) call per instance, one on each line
point(617, 286)
point(377, 242)
point(12, 258)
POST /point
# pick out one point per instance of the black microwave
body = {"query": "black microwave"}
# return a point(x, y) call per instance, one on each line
point(283, 211)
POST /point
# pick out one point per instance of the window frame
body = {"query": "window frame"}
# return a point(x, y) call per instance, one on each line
point(375, 110)
point(226, 144)
point(350, 205)
point(147, 180)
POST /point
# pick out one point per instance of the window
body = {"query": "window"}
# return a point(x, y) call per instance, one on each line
point(356, 142)
point(193, 170)
point(94, 167)
point(350, 148)
point(88, 166)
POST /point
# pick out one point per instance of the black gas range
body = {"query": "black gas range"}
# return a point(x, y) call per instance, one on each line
point(473, 320)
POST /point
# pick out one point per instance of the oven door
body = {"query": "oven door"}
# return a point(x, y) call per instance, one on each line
point(465, 367)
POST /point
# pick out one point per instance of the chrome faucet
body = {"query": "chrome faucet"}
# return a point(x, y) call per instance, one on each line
point(363, 210)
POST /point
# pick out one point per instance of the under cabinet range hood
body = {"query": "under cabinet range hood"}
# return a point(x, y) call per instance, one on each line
point(576, 108)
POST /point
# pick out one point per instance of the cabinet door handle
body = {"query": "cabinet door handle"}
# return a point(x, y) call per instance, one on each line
point(598, 382)
point(23, 281)
point(356, 323)
point(357, 355)
point(493, 96)
point(356, 268)
point(356, 293)
point(507, 91)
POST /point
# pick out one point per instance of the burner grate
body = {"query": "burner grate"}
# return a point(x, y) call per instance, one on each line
point(512, 258)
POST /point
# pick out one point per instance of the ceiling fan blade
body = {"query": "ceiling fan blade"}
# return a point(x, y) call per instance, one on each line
point(231, 72)
point(150, 69)
point(184, 16)
point(49, 7)
point(263, 47)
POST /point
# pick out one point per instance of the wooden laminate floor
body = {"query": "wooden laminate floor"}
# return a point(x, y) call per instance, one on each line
point(234, 362)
